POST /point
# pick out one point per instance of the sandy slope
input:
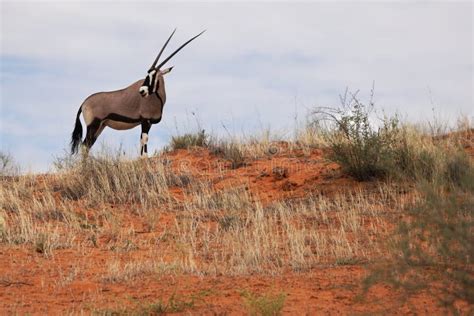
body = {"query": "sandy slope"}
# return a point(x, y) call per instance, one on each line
point(73, 280)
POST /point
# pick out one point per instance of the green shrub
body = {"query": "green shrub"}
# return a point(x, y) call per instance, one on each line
point(391, 150)
point(363, 151)
point(186, 141)
point(432, 248)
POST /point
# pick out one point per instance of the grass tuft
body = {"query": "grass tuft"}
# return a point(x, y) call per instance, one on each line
point(110, 178)
point(264, 305)
point(189, 140)
point(230, 151)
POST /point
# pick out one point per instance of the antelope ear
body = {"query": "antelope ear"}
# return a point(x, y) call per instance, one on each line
point(165, 71)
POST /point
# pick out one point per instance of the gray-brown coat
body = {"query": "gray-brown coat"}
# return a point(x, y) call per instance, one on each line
point(141, 103)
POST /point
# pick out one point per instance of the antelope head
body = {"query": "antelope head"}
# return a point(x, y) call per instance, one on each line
point(155, 74)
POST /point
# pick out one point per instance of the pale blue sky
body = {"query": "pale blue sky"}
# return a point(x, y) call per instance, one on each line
point(256, 66)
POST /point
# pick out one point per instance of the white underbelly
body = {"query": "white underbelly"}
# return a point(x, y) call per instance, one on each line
point(120, 125)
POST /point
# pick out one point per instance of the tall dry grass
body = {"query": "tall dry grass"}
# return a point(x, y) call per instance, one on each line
point(32, 215)
point(230, 233)
point(90, 203)
point(215, 232)
point(111, 178)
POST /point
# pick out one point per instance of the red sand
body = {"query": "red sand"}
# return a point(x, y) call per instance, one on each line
point(71, 280)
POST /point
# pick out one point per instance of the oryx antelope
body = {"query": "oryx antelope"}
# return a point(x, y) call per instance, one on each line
point(141, 103)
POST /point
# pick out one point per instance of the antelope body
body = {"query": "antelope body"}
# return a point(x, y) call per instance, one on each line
point(141, 103)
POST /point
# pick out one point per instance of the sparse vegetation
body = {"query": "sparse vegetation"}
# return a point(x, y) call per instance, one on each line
point(174, 304)
point(111, 178)
point(363, 151)
point(230, 214)
point(189, 140)
point(7, 165)
point(264, 305)
point(392, 150)
point(230, 151)
point(257, 239)
point(432, 248)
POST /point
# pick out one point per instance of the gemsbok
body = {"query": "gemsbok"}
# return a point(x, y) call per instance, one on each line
point(141, 103)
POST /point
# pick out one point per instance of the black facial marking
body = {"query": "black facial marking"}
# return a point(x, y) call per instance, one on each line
point(150, 83)
point(146, 82)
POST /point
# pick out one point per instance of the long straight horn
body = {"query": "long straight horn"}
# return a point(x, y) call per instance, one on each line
point(176, 51)
point(161, 51)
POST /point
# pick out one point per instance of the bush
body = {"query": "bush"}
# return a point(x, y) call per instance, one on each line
point(432, 249)
point(362, 151)
point(391, 150)
point(189, 140)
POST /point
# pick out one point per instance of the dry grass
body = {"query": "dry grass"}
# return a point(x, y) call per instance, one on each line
point(127, 209)
point(268, 144)
point(189, 140)
point(33, 216)
point(111, 179)
point(119, 272)
point(264, 305)
point(215, 232)
point(240, 150)
point(228, 233)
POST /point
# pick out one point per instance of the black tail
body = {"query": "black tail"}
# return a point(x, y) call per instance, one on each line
point(76, 134)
